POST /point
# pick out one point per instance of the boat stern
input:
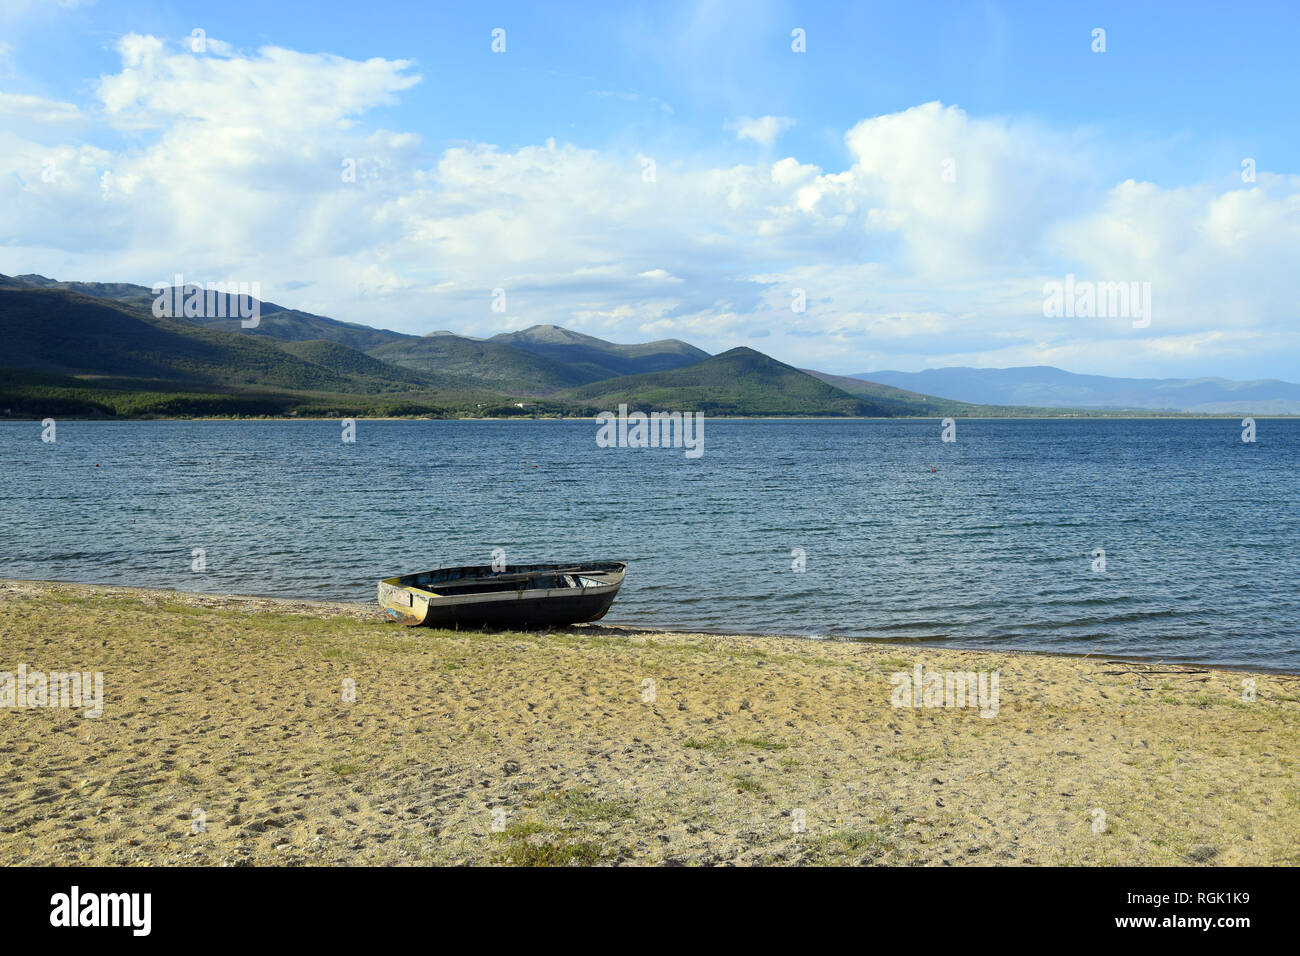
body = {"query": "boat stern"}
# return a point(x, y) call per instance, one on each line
point(405, 605)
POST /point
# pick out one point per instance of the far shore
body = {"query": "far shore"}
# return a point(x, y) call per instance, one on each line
point(249, 730)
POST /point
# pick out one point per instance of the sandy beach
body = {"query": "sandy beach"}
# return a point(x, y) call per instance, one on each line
point(257, 731)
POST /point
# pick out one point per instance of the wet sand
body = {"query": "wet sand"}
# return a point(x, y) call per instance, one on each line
point(229, 737)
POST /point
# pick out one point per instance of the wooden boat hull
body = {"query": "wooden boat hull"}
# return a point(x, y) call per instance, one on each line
point(523, 596)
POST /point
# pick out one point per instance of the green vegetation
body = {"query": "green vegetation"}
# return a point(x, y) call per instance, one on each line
point(738, 382)
point(720, 744)
point(579, 804)
point(489, 364)
point(843, 846)
point(290, 325)
point(50, 330)
point(532, 842)
point(596, 359)
point(69, 354)
point(280, 323)
point(370, 374)
point(562, 853)
point(27, 394)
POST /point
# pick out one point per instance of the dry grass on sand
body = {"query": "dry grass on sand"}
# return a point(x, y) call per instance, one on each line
point(523, 748)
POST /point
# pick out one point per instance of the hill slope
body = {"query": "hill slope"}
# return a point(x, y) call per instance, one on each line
point(364, 368)
point(275, 322)
point(903, 401)
point(70, 354)
point(66, 332)
point(598, 359)
point(490, 364)
point(290, 325)
point(738, 382)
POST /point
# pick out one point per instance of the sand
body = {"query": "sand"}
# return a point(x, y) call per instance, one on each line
point(228, 738)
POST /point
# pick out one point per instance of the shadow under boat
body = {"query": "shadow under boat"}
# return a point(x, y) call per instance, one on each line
point(525, 595)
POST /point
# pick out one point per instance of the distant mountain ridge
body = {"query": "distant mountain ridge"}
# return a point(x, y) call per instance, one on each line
point(531, 362)
point(737, 382)
point(275, 321)
point(598, 358)
point(887, 396)
point(1047, 386)
point(97, 349)
point(74, 353)
point(494, 364)
point(91, 348)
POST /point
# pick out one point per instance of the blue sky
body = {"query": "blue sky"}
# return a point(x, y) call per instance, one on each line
point(1187, 88)
point(774, 170)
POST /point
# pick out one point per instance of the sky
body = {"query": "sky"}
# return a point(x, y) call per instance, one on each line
point(848, 187)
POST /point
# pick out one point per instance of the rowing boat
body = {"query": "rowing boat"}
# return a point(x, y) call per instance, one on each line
point(525, 595)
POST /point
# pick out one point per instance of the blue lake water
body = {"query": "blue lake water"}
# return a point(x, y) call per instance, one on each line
point(987, 541)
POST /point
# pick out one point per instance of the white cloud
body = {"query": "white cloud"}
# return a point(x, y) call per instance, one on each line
point(763, 129)
point(232, 170)
point(36, 109)
point(658, 275)
point(276, 88)
point(1217, 259)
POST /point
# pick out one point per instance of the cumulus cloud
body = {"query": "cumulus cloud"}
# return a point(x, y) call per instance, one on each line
point(931, 246)
point(762, 129)
point(276, 88)
point(1220, 260)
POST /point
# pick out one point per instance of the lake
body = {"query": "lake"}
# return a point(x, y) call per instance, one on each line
point(986, 541)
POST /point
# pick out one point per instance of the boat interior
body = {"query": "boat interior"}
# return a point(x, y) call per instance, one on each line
point(522, 582)
point(484, 580)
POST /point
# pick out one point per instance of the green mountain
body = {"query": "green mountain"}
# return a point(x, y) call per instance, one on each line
point(274, 321)
point(74, 348)
point(363, 368)
point(290, 325)
point(125, 292)
point(67, 353)
point(900, 400)
point(491, 364)
point(598, 359)
point(53, 330)
point(738, 382)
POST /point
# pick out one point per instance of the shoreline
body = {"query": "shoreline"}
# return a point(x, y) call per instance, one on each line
point(604, 745)
point(369, 610)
